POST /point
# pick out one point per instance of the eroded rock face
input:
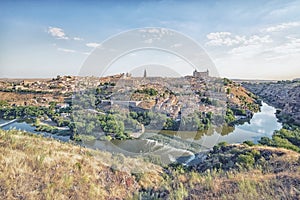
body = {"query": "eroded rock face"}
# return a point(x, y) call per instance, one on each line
point(284, 95)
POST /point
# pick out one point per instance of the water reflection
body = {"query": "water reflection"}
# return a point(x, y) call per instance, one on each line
point(171, 145)
point(29, 128)
point(262, 124)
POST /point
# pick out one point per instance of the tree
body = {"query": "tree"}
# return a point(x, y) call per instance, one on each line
point(228, 90)
point(169, 124)
point(3, 103)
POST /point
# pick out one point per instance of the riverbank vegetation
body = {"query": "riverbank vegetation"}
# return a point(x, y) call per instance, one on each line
point(46, 128)
point(284, 96)
point(113, 124)
point(289, 139)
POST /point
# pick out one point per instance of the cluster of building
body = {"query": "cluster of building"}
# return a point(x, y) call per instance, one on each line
point(61, 84)
point(176, 96)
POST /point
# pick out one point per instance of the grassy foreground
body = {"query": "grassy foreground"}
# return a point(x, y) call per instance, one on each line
point(32, 167)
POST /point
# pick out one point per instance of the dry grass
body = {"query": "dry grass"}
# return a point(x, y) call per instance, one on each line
point(29, 98)
point(32, 167)
point(280, 181)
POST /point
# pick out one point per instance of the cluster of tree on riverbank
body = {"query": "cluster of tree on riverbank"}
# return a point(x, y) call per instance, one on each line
point(114, 124)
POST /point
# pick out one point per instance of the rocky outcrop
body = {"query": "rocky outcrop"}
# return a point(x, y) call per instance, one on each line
point(284, 95)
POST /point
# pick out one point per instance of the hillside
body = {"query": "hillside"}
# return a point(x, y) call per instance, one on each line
point(121, 106)
point(32, 167)
point(284, 95)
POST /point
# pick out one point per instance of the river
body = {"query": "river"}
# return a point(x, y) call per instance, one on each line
point(180, 146)
point(262, 124)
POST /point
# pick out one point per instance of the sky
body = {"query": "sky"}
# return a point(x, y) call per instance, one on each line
point(257, 39)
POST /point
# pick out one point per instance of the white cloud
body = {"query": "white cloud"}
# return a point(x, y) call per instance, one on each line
point(273, 53)
point(227, 39)
point(221, 38)
point(86, 53)
point(280, 27)
point(66, 50)
point(154, 34)
point(160, 31)
point(255, 39)
point(290, 47)
point(77, 38)
point(153, 30)
point(57, 33)
point(93, 45)
point(247, 51)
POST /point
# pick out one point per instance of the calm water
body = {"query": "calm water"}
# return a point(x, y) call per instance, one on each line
point(27, 127)
point(172, 145)
point(262, 124)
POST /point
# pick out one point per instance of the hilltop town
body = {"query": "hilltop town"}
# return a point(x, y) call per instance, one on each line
point(42, 91)
point(194, 102)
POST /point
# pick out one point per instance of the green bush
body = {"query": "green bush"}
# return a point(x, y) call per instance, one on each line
point(246, 161)
point(149, 91)
point(249, 143)
point(46, 128)
point(289, 139)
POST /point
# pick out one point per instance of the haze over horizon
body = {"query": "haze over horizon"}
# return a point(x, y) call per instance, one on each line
point(245, 40)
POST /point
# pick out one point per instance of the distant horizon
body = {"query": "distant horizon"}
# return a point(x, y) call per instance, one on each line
point(51, 77)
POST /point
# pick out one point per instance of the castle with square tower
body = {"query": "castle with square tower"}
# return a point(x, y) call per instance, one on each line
point(201, 74)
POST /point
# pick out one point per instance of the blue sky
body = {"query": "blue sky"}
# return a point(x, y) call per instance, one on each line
point(245, 39)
